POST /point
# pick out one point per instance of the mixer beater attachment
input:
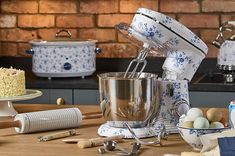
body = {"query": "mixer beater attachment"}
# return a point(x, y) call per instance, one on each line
point(145, 43)
point(140, 59)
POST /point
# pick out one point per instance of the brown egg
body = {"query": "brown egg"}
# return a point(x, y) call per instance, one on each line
point(224, 122)
point(187, 124)
point(214, 114)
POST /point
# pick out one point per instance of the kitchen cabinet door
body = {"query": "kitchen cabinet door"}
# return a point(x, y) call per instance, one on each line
point(86, 96)
point(210, 99)
point(50, 96)
point(65, 94)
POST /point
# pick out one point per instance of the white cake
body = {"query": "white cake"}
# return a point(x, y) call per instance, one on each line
point(12, 82)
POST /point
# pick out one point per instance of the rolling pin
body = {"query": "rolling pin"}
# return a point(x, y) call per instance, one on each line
point(48, 120)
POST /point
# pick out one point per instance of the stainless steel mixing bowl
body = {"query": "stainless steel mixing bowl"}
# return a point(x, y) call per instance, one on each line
point(131, 100)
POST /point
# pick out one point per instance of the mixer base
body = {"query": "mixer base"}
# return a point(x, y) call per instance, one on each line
point(144, 132)
point(170, 127)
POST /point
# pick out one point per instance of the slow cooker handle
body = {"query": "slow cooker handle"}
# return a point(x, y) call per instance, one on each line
point(98, 50)
point(30, 51)
point(67, 33)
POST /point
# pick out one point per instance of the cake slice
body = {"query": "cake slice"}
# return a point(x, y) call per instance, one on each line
point(12, 82)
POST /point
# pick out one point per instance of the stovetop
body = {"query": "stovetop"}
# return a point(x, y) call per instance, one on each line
point(215, 78)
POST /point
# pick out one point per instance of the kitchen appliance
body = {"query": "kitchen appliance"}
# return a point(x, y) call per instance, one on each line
point(183, 49)
point(159, 34)
point(174, 102)
point(63, 57)
point(226, 55)
point(131, 101)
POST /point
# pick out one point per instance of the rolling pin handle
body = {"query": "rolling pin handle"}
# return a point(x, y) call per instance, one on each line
point(10, 124)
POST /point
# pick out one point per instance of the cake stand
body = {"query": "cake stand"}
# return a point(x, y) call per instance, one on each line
point(6, 107)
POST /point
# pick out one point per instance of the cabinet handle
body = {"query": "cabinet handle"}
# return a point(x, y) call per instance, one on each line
point(60, 101)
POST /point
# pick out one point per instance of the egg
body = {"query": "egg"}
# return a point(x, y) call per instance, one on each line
point(214, 114)
point(194, 113)
point(201, 122)
point(187, 124)
point(224, 121)
point(216, 125)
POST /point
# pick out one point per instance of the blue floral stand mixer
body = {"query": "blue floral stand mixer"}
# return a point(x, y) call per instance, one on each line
point(159, 34)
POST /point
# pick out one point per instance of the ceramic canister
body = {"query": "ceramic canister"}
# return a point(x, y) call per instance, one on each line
point(174, 101)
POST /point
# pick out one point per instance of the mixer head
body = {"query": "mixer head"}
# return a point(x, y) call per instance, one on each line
point(165, 36)
point(155, 47)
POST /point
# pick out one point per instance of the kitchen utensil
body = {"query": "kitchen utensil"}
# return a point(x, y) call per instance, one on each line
point(101, 150)
point(112, 145)
point(131, 100)
point(140, 132)
point(6, 107)
point(63, 57)
point(138, 61)
point(98, 141)
point(57, 135)
point(48, 120)
point(158, 135)
point(174, 102)
point(73, 140)
point(135, 149)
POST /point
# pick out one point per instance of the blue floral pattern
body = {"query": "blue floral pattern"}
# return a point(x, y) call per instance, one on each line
point(170, 92)
point(51, 59)
point(144, 132)
point(226, 54)
point(171, 35)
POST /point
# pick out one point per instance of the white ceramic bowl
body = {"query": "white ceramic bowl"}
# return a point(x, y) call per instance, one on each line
point(185, 50)
point(192, 135)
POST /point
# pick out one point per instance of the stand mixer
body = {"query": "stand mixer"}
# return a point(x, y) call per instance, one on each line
point(160, 34)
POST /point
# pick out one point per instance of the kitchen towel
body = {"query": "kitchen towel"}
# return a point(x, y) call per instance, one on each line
point(210, 141)
point(227, 146)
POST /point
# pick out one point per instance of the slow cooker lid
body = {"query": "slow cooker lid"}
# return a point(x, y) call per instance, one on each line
point(73, 42)
point(63, 37)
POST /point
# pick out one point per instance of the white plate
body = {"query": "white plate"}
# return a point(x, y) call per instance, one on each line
point(6, 107)
point(30, 94)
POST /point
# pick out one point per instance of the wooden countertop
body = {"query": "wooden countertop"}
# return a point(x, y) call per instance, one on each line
point(12, 144)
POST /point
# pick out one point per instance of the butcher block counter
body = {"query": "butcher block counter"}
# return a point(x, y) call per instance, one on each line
point(12, 144)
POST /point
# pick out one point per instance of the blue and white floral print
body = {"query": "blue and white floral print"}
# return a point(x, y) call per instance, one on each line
point(175, 26)
point(52, 59)
point(181, 58)
point(167, 35)
point(170, 92)
point(226, 54)
point(144, 132)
